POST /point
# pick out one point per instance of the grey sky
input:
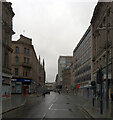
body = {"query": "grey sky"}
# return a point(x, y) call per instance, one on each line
point(56, 26)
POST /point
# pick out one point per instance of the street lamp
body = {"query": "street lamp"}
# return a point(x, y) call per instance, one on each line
point(107, 87)
point(0, 59)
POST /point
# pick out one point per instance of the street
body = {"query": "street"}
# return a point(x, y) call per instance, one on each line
point(51, 106)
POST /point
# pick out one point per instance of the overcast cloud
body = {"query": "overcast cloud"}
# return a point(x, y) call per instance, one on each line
point(55, 26)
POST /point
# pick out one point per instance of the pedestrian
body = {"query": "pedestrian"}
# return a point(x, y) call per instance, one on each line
point(59, 91)
point(112, 96)
point(44, 94)
point(67, 90)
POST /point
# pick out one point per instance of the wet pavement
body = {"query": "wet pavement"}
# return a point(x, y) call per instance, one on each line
point(51, 106)
point(13, 102)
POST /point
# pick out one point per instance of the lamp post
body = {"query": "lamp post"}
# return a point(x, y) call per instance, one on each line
point(107, 87)
point(0, 59)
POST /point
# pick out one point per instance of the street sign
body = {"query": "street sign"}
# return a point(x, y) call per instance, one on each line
point(109, 76)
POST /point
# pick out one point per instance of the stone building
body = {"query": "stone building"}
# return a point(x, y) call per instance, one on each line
point(7, 32)
point(82, 64)
point(99, 40)
point(25, 66)
point(72, 78)
point(63, 61)
point(56, 81)
point(42, 74)
point(66, 80)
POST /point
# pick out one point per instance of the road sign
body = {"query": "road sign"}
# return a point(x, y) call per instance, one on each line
point(109, 76)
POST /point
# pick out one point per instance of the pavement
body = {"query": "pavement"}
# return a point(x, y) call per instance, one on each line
point(13, 102)
point(94, 111)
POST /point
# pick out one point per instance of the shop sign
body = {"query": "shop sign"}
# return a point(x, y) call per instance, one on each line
point(14, 80)
point(22, 80)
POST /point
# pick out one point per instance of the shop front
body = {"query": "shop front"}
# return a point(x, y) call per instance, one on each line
point(6, 85)
point(21, 86)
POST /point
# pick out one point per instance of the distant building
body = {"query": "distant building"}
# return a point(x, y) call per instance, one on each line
point(63, 62)
point(50, 85)
point(42, 74)
point(25, 66)
point(82, 63)
point(66, 79)
point(56, 81)
point(7, 32)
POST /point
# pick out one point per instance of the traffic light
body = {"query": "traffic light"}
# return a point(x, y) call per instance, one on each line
point(93, 83)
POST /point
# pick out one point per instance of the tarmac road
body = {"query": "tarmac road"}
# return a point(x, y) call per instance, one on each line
point(51, 106)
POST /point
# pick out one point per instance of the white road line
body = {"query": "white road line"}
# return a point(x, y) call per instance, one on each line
point(50, 107)
point(60, 109)
point(46, 113)
point(43, 116)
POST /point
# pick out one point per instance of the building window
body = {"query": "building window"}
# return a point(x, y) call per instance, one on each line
point(28, 51)
point(16, 59)
point(24, 59)
point(23, 72)
point(26, 72)
point(25, 50)
point(27, 60)
point(16, 71)
point(6, 60)
point(17, 49)
point(6, 38)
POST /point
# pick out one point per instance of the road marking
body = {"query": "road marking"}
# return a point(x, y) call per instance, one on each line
point(86, 115)
point(60, 109)
point(50, 107)
point(43, 116)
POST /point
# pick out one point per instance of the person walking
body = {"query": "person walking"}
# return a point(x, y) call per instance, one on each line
point(112, 96)
point(59, 91)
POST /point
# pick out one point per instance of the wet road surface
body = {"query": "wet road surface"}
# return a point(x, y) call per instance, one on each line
point(51, 106)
